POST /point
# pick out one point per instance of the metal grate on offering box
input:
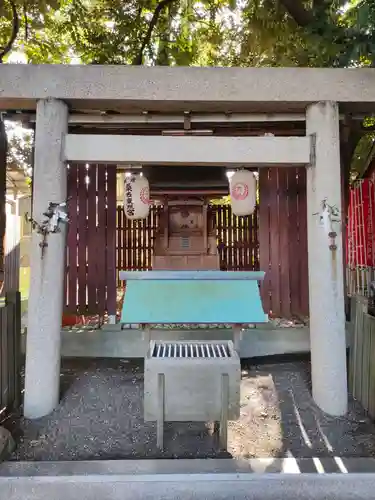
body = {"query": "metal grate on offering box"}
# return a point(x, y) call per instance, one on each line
point(190, 350)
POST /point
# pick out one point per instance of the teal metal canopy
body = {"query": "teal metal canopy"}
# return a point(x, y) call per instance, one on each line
point(192, 297)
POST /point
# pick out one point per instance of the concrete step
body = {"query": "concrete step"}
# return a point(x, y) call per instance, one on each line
point(188, 480)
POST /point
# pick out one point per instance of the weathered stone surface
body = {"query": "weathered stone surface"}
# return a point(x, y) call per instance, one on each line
point(134, 89)
point(7, 444)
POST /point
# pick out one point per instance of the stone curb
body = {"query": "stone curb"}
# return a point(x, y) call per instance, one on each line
point(190, 470)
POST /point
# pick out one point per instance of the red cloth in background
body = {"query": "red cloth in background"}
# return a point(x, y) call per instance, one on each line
point(360, 246)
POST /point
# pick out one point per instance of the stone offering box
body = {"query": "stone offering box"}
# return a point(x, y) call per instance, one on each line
point(192, 381)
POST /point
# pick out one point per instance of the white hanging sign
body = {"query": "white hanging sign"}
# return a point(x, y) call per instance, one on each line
point(242, 189)
point(136, 197)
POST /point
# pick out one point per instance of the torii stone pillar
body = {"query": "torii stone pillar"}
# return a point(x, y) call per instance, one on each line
point(326, 280)
point(42, 380)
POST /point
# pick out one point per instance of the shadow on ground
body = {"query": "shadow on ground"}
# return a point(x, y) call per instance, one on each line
point(101, 417)
point(277, 404)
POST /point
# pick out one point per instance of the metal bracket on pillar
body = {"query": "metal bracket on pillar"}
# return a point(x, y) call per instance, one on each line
point(330, 214)
point(332, 235)
point(55, 214)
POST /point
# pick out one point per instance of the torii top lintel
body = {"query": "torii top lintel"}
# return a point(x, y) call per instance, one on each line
point(132, 89)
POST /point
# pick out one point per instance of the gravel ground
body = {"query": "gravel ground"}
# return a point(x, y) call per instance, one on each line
point(101, 417)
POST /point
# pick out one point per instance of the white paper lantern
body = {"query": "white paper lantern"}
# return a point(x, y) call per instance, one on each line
point(242, 188)
point(136, 197)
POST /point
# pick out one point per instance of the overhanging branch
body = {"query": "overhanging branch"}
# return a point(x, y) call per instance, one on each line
point(15, 29)
point(138, 60)
point(297, 11)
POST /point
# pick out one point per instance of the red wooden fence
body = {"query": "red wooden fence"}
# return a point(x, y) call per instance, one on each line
point(283, 241)
point(135, 240)
point(101, 240)
point(91, 253)
point(238, 240)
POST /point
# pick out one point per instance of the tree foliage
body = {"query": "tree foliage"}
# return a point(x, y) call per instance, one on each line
point(192, 32)
point(24, 24)
point(20, 146)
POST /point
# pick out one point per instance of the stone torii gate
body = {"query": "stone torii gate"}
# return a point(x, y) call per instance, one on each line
point(318, 95)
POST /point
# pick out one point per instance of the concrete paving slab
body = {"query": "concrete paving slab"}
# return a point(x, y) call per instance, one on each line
point(252, 487)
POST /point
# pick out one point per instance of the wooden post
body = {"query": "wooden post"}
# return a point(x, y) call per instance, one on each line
point(160, 419)
point(146, 333)
point(166, 223)
point(205, 228)
point(3, 158)
point(237, 337)
point(13, 304)
point(224, 411)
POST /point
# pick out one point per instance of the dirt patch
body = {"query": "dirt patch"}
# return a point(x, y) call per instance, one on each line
point(101, 417)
